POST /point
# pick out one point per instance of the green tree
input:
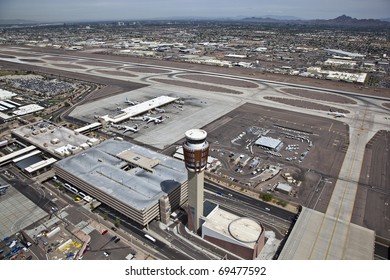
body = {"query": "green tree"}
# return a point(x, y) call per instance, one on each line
point(117, 222)
point(267, 197)
point(281, 203)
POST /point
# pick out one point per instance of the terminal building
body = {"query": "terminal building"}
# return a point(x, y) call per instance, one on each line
point(137, 182)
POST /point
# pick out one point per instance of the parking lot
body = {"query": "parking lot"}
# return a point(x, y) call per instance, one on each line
point(108, 246)
point(312, 149)
point(15, 248)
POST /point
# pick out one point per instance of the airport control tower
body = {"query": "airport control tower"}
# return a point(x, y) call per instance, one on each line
point(196, 150)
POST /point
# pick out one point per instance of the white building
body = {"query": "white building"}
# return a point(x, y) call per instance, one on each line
point(242, 236)
point(269, 143)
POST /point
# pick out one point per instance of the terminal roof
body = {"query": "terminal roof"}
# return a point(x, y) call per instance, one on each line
point(106, 167)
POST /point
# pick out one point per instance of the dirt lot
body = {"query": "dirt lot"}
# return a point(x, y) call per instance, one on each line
point(387, 105)
point(64, 65)
point(19, 54)
point(116, 73)
point(306, 104)
point(97, 63)
point(59, 58)
point(221, 81)
point(319, 168)
point(7, 56)
point(147, 70)
point(196, 86)
point(372, 204)
point(319, 95)
point(32, 60)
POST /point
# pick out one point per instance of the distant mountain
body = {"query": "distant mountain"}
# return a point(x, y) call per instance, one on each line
point(283, 17)
point(385, 19)
point(341, 21)
point(349, 21)
point(263, 20)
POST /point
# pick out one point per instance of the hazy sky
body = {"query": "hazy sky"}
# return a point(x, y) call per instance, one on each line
point(73, 10)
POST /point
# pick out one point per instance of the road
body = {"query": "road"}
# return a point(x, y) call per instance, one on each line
point(249, 201)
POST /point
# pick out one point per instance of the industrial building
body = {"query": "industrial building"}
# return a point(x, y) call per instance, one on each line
point(269, 143)
point(5, 94)
point(284, 188)
point(137, 182)
point(241, 235)
point(10, 109)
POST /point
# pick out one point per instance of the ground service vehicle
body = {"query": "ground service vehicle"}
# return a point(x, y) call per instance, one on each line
point(150, 238)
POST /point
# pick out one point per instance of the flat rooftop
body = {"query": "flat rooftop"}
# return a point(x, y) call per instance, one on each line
point(27, 109)
point(268, 142)
point(52, 138)
point(87, 127)
point(139, 109)
point(17, 153)
point(112, 168)
point(239, 230)
point(5, 94)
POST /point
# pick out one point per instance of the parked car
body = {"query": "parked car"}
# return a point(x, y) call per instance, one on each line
point(106, 253)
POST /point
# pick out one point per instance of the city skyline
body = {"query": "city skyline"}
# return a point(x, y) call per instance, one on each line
point(55, 11)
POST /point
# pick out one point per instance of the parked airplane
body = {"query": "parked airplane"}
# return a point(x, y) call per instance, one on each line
point(132, 129)
point(181, 102)
point(130, 102)
point(159, 110)
point(336, 114)
point(156, 120)
point(126, 128)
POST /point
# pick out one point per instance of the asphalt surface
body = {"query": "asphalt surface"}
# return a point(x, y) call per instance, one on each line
point(260, 205)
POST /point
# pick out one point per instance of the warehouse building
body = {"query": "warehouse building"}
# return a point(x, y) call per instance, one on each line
point(284, 188)
point(137, 182)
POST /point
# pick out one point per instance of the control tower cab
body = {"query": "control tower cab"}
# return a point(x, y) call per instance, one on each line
point(196, 150)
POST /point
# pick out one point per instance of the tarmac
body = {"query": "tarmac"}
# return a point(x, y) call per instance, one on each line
point(17, 212)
